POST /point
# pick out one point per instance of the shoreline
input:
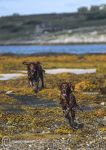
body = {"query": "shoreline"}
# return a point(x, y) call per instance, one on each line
point(51, 44)
point(50, 54)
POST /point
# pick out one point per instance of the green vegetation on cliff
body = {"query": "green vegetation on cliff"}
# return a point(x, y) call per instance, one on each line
point(33, 27)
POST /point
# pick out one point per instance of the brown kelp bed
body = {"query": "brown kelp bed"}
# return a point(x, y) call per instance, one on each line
point(23, 116)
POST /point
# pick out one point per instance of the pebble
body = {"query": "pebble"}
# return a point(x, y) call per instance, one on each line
point(58, 144)
point(30, 145)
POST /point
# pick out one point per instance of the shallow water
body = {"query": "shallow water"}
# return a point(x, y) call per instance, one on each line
point(70, 49)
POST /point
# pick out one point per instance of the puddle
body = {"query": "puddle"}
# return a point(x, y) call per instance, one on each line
point(4, 77)
point(87, 108)
point(33, 101)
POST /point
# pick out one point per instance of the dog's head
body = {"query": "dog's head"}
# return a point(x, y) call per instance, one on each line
point(32, 66)
point(38, 62)
point(71, 86)
point(66, 87)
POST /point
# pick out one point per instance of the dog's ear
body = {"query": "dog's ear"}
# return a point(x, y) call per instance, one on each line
point(71, 86)
point(24, 62)
point(60, 84)
point(27, 63)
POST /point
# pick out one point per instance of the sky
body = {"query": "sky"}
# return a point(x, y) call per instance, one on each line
point(24, 7)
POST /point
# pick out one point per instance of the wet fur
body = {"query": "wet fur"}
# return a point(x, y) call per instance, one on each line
point(35, 73)
point(68, 101)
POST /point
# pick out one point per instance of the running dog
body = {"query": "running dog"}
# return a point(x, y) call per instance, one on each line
point(35, 73)
point(68, 101)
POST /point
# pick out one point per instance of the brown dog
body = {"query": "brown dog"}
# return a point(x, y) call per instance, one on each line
point(35, 73)
point(68, 101)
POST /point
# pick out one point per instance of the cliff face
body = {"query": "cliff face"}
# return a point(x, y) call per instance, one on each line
point(81, 36)
point(54, 29)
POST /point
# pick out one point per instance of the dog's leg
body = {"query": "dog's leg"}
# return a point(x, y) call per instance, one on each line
point(66, 112)
point(42, 80)
point(35, 87)
point(31, 83)
point(71, 118)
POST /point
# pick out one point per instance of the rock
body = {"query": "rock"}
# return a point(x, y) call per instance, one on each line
point(102, 103)
point(45, 132)
point(104, 120)
point(30, 145)
point(9, 92)
point(69, 135)
point(2, 92)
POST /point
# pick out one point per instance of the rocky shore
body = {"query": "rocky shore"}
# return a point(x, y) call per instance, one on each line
point(66, 142)
point(74, 36)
